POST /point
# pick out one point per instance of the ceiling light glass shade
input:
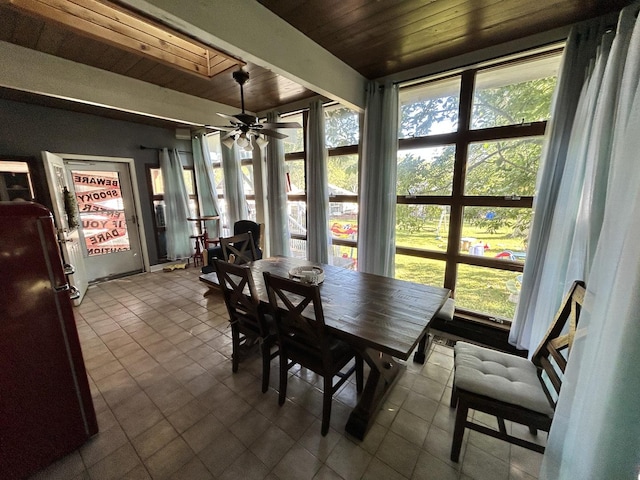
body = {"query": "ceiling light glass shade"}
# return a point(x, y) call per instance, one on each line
point(242, 141)
point(262, 142)
point(228, 142)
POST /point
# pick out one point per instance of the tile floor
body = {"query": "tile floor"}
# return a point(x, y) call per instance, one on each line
point(158, 357)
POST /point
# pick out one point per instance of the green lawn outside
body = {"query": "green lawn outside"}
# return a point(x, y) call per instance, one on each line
point(479, 289)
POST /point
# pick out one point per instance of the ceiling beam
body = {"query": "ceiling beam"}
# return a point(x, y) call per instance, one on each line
point(36, 72)
point(247, 30)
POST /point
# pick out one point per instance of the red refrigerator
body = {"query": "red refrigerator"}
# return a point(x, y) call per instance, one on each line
point(46, 409)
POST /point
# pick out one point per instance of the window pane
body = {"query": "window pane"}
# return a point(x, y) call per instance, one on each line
point(341, 126)
point(247, 179)
point(296, 184)
point(420, 270)
point(422, 226)
point(295, 136)
point(157, 188)
point(343, 220)
point(429, 108)
point(297, 217)
point(342, 171)
point(503, 167)
point(496, 232)
point(189, 181)
point(514, 93)
point(298, 248)
point(345, 257)
point(426, 171)
point(488, 290)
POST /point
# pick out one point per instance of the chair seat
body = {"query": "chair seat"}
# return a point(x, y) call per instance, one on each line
point(500, 376)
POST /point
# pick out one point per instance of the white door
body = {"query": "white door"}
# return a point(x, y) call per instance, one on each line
point(108, 223)
point(66, 221)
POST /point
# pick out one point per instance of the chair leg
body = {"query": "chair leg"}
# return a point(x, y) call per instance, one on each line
point(283, 378)
point(458, 432)
point(235, 355)
point(359, 374)
point(327, 396)
point(265, 347)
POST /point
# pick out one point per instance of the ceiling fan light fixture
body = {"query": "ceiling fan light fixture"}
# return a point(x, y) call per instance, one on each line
point(262, 141)
point(228, 142)
point(242, 141)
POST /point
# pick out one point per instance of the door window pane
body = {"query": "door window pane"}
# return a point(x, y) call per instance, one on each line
point(503, 167)
point(430, 108)
point(515, 93)
point(488, 290)
point(422, 226)
point(101, 208)
point(426, 171)
point(420, 270)
point(500, 233)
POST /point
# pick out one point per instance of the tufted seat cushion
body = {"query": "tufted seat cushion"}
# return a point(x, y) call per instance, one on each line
point(501, 376)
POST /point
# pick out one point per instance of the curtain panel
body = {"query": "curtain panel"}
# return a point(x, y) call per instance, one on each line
point(278, 227)
point(233, 187)
point(377, 221)
point(593, 235)
point(176, 199)
point(318, 234)
point(206, 184)
point(559, 184)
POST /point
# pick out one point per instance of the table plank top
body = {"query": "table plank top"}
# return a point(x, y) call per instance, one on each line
point(368, 310)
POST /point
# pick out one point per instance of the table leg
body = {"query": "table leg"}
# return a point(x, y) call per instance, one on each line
point(420, 354)
point(384, 372)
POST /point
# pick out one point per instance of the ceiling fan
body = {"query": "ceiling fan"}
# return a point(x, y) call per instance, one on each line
point(245, 127)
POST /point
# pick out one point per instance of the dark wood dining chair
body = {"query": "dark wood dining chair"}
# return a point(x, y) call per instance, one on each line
point(514, 388)
point(250, 324)
point(239, 248)
point(304, 340)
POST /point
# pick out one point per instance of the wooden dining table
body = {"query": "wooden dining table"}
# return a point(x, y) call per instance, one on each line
point(382, 318)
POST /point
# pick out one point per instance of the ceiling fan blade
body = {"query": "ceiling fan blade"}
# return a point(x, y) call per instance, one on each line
point(282, 125)
point(271, 133)
point(220, 128)
point(228, 117)
point(228, 135)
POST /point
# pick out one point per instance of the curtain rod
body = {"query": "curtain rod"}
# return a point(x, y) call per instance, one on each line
point(142, 147)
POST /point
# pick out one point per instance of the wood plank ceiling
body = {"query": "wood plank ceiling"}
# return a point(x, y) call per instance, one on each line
point(376, 38)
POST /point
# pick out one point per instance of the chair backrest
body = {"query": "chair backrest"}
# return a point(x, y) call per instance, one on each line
point(240, 296)
point(244, 226)
point(241, 246)
point(553, 352)
point(297, 309)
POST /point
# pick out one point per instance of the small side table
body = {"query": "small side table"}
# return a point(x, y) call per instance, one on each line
point(202, 238)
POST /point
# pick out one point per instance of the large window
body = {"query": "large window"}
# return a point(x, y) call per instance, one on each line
point(156, 189)
point(469, 153)
point(341, 137)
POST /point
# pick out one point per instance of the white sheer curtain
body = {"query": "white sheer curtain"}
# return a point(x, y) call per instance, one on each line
point(377, 223)
point(596, 428)
point(176, 202)
point(318, 235)
point(278, 227)
point(553, 260)
point(233, 187)
point(206, 183)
